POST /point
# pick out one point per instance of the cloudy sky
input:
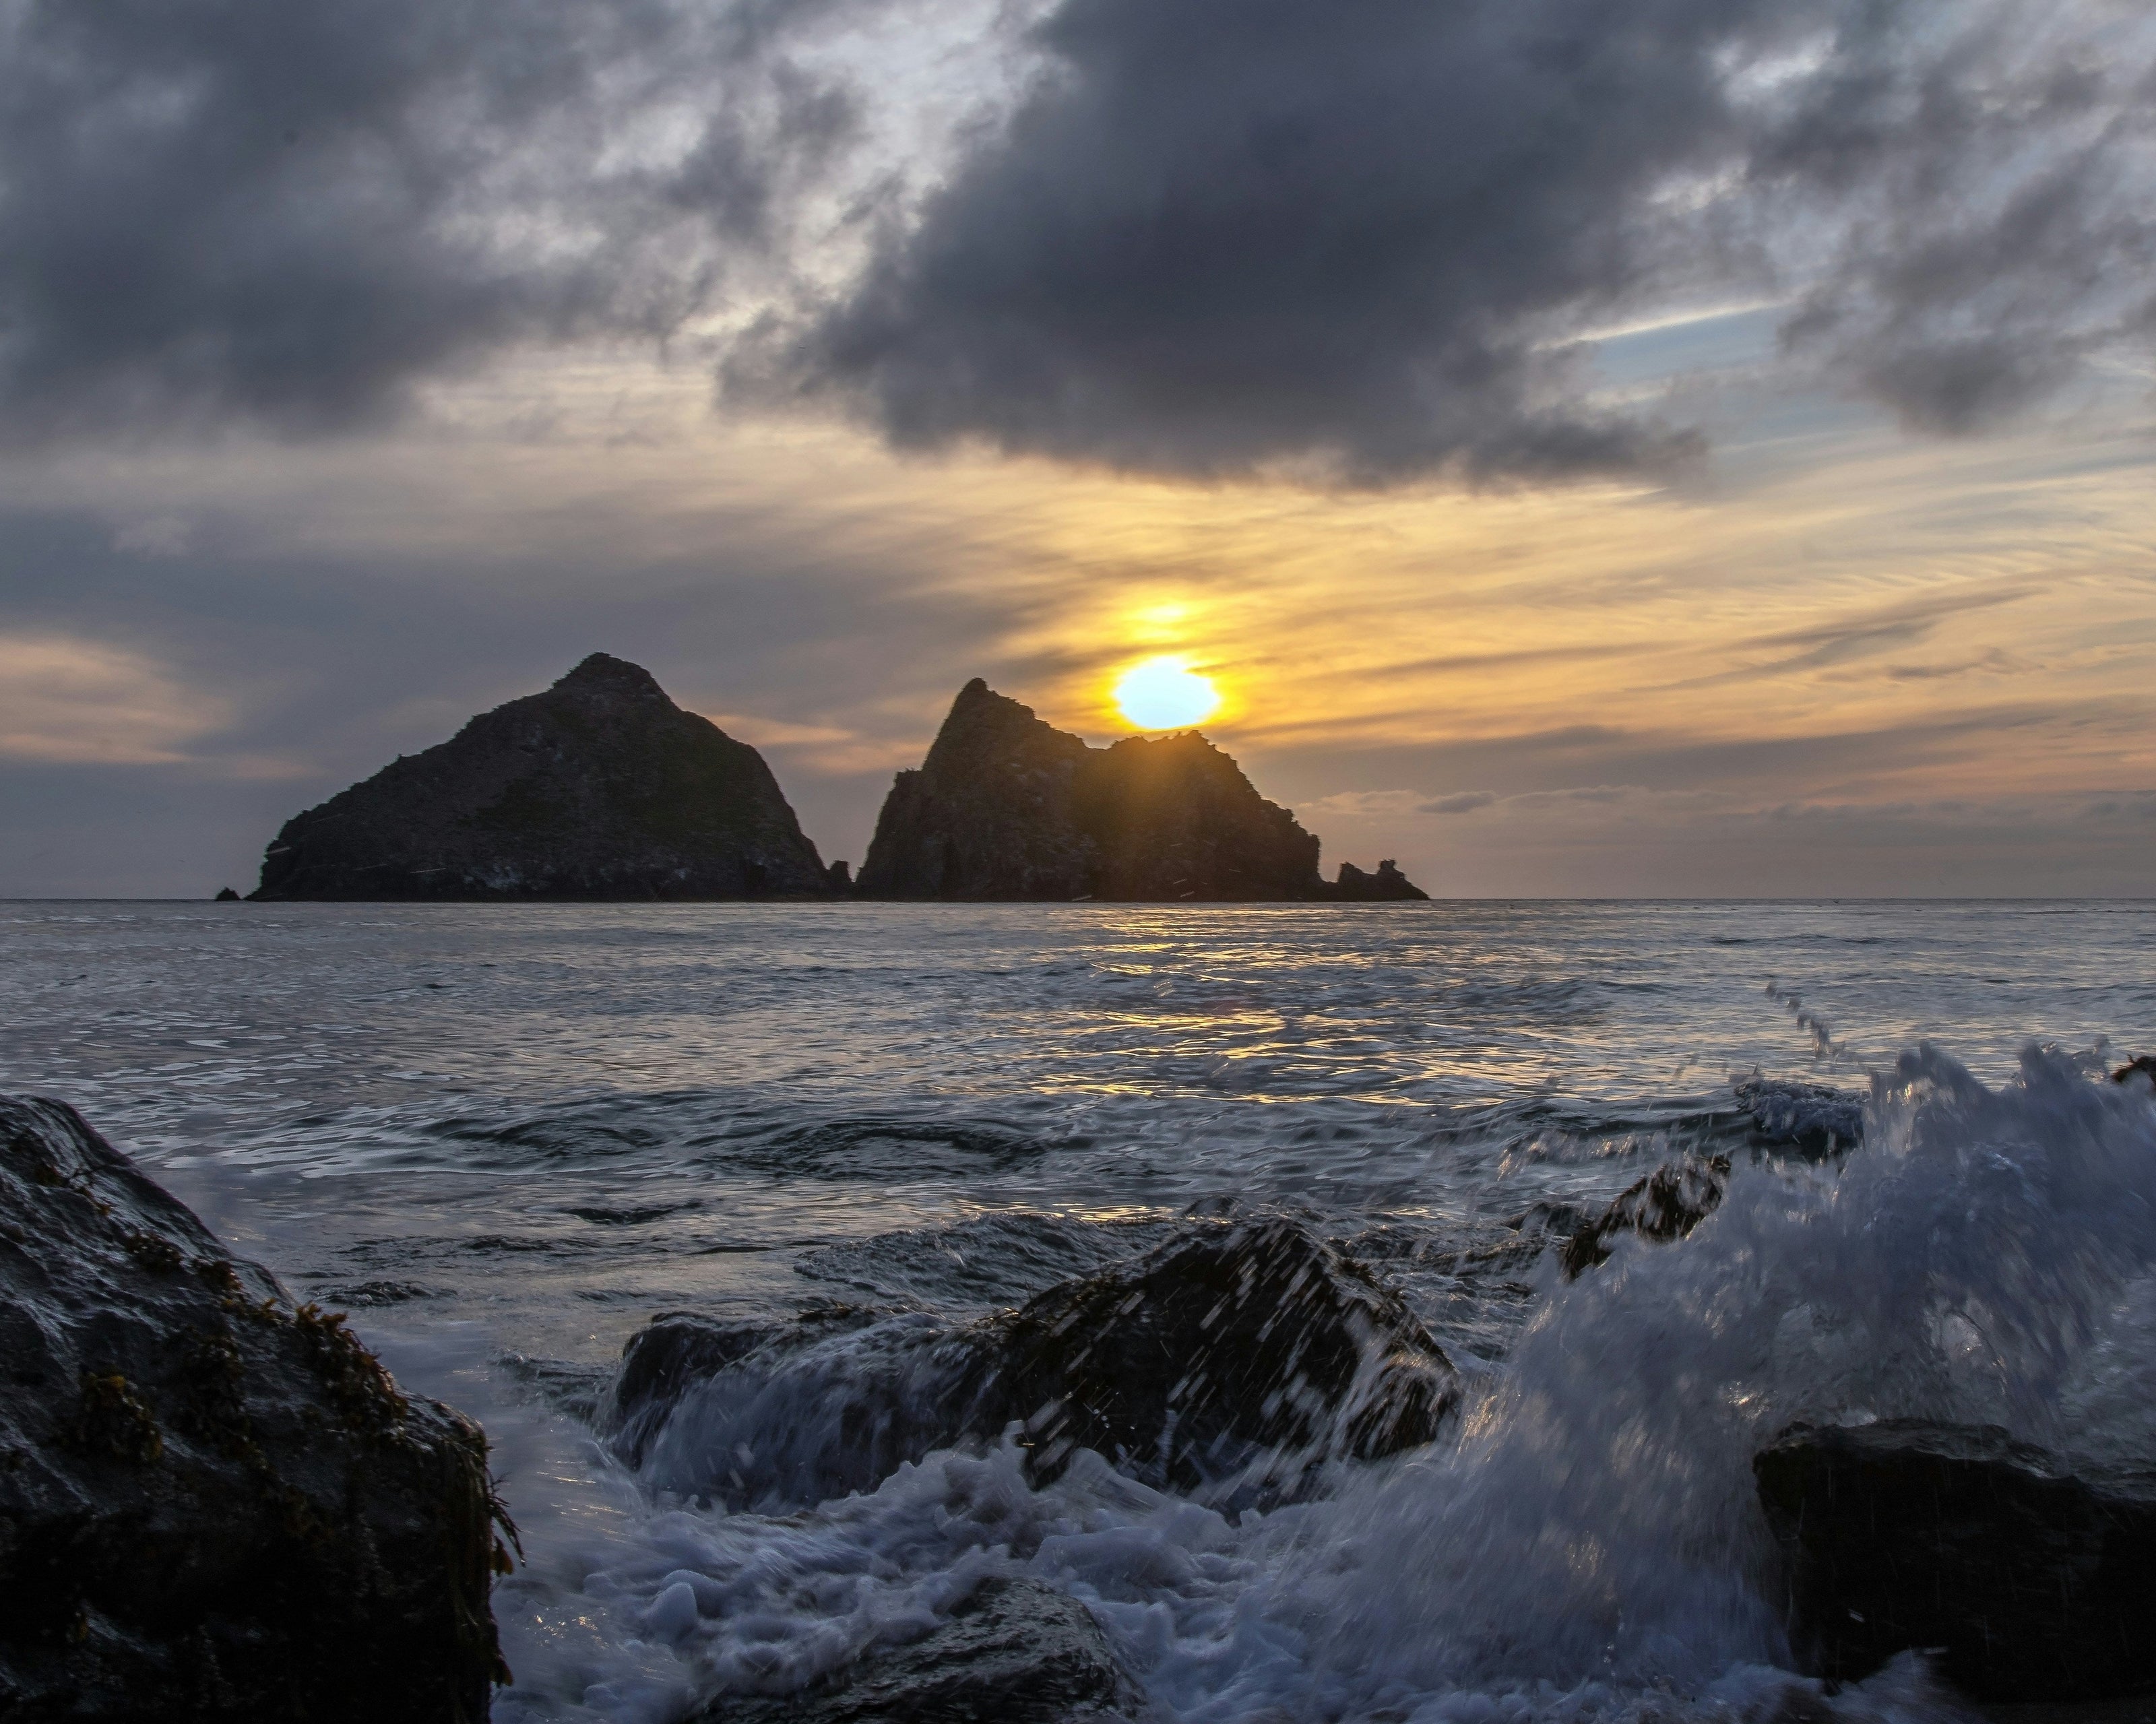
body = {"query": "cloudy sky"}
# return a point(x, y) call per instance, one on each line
point(1600, 447)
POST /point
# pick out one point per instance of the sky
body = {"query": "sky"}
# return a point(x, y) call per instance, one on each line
point(1598, 448)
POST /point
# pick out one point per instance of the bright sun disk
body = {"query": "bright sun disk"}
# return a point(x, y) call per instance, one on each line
point(1165, 694)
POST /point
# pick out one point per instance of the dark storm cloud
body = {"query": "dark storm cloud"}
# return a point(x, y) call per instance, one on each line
point(1356, 241)
point(1355, 236)
point(1992, 202)
point(293, 212)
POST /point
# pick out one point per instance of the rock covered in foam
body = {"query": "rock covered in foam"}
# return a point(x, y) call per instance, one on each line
point(214, 1506)
point(1813, 1117)
point(2034, 1583)
point(599, 788)
point(1242, 1354)
point(1010, 1652)
point(1667, 1204)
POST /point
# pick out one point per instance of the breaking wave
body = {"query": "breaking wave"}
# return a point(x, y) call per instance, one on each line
point(1585, 1543)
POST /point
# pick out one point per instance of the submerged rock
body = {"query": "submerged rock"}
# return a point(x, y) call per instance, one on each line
point(1006, 807)
point(2034, 1584)
point(213, 1505)
point(601, 787)
point(1665, 1205)
point(1010, 1652)
point(1240, 1356)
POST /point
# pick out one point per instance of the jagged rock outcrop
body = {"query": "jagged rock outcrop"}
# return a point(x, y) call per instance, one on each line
point(1181, 1365)
point(215, 1505)
point(1667, 1204)
point(1387, 885)
point(599, 788)
point(1010, 1652)
point(1006, 807)
point(2033, 1583)
point(1243, 1355)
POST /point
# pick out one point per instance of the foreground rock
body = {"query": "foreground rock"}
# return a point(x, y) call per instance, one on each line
point(2034, 1584)
point(1665, 1205)
point(599, 788)
point(1008, 808)
point(1236, 1357)
point(1179, 1367)
point(1011, 1652)
point(212, 1506)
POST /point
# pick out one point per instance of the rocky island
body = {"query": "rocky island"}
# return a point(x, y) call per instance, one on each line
point(1006, 807)
point(601, 787)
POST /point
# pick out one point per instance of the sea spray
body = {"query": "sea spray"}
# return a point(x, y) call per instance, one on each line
point(1597, 1519)
point(1590, 1537)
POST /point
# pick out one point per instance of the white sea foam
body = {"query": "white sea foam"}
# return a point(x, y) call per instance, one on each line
point(1586, 1547)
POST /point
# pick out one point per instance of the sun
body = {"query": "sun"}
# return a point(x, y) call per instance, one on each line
point(1165, 694)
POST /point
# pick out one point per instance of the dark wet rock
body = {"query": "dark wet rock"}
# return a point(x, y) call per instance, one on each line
point(1665, 1205)
point(1241, 1354)
point(1181, 1366)
point(1387, 885)
point(213, 1505)
point(226, 895)
point(1006, 807)
point(1010, 1652)
point(599, 788)
point(2144, 1066)
point(2034, 1583)
point(1812, 1117)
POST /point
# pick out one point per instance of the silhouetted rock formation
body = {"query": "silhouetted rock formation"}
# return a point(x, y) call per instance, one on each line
point(226, 895)
point(1386, 885)
point(599, 788)
point(1010, 1651)
point(1241, 1355)
point(2035, 1584)
point(215, 1505)
point(1007, 807)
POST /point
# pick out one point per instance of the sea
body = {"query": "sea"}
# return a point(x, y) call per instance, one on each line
point(503, 1137)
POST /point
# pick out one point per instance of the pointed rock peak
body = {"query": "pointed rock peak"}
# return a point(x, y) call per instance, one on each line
point(602, 673)
point(982, 719)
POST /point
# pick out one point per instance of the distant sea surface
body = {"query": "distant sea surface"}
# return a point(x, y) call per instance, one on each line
point(504, 1137)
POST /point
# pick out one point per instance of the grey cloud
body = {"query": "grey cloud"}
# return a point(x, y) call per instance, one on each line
point(1353, 239)
point(1993, 213)
point(1465, 803)
point(293, 212)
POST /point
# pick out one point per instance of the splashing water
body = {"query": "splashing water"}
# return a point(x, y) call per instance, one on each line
point(1587, 1538)
point(507, 1138)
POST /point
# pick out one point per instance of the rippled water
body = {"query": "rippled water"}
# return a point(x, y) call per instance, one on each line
point(503, 1137)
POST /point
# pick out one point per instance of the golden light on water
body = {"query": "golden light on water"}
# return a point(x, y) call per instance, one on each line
point(1165, 694)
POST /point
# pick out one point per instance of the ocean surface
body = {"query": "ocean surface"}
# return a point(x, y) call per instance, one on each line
point(503, 1137)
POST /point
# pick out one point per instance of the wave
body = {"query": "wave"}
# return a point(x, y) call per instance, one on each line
point(1585, 1543)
